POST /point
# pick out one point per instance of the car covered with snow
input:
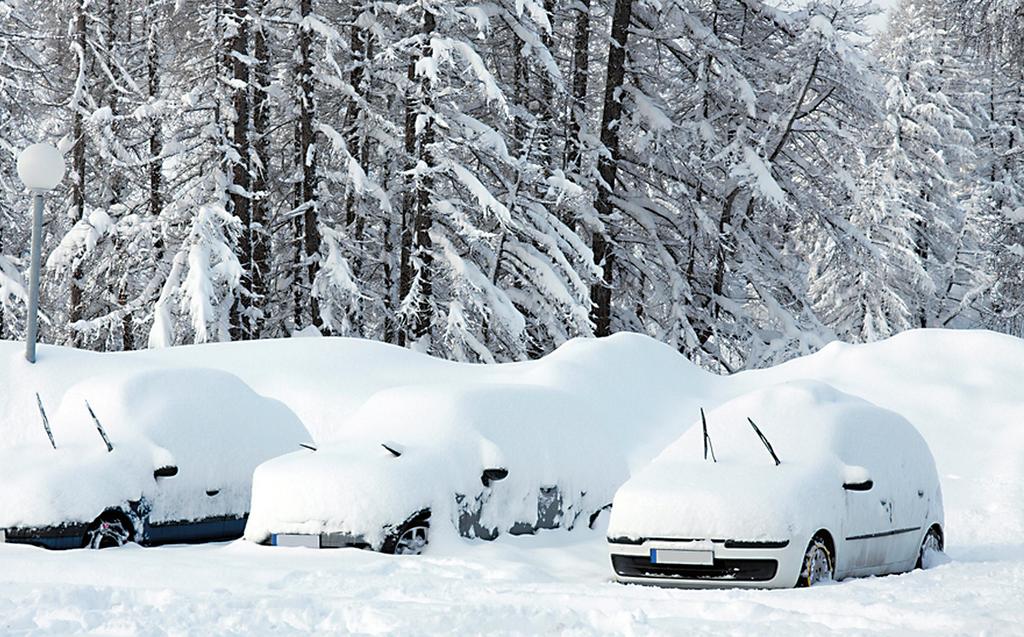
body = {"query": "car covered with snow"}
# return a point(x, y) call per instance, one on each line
point(153, 457)
point(789, 485)
point(473, 459)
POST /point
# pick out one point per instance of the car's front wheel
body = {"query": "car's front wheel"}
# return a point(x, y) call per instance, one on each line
point(110, 530)
point(411, 538)
point(818, 565)
point(931, 545)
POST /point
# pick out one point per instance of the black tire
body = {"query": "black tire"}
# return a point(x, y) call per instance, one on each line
point(819, 563)
point(410, 538)
point(932, 541)
point(110, 530)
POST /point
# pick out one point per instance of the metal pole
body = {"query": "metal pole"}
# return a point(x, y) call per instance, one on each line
point(33, 300)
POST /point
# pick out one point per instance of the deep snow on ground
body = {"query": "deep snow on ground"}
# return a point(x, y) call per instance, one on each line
point(554, 583)
point(964, 391)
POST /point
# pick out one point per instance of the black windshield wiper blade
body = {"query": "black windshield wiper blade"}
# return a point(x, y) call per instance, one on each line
point(707, 438)
point(767, 444)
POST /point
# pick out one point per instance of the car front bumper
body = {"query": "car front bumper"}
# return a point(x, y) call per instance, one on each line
point(706, 563)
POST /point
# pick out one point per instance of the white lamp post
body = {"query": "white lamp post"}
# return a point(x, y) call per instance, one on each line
point(40, 167)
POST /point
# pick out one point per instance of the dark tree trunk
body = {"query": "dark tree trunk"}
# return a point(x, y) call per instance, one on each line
point(241, 320)
point(155, 134)
point(77, 176)
point(309, 240)
point(423, 246)
point(607, 166)
point(260, 242)
point(580, 77)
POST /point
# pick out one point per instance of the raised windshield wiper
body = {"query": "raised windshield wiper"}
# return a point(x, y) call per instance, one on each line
point(46, 421)
point(767, 444)
point(707, 438)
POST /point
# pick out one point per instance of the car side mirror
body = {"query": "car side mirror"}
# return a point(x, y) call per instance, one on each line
point(493, 475)
point(863, 485)
point(168, 471)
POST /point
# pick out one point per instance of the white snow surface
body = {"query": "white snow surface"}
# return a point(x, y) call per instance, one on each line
point(962, 391)
point(822, 437)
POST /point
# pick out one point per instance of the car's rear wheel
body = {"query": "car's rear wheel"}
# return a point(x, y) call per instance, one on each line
point(931, 545)
point(818, 565)
point(110, 530)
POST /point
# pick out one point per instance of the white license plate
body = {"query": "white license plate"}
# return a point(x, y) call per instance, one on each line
point(294, 539)
point(682, 556)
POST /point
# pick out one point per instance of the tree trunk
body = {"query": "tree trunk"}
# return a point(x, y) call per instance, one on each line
point(580, 77)
point(607, 166)
point(423, 246)
point(260, 242)
point(241, 319)
point(309, 259)
point(77, 174)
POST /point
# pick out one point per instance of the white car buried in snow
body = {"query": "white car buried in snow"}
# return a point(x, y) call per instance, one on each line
point(153, 457)
point(477, 459)
point(789, 486)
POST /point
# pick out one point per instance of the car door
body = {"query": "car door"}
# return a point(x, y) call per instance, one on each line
point(869, 511)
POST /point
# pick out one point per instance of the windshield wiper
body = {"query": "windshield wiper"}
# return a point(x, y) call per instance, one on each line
point(707, 438)
point(46, 421)
point(767, 444)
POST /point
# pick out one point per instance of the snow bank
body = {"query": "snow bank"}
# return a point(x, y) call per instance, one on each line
point(822, 437)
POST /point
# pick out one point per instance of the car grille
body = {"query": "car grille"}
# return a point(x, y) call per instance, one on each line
point(722, 569)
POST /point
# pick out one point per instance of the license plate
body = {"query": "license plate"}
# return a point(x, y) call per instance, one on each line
point(682, 556)
point(294, 539)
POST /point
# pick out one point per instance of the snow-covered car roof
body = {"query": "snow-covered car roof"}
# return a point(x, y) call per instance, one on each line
point(822, 438)
point(207, 423)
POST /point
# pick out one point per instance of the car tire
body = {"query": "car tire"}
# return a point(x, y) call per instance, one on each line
point(932, 542)
point(818, 564)
point(411, 538)
point(110, 530)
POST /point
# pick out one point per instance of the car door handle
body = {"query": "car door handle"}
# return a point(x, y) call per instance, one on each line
point(212, 492)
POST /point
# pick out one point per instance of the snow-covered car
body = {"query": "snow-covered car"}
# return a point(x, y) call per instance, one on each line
point(786, 486)
point(476, 459)
point(152, 457)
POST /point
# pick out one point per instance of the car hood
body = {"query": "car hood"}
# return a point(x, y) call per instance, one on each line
point(728, 501)
point(358, 487)
point(44, 487)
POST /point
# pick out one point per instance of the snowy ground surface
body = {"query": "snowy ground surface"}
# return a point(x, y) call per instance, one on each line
point(553, 583)
point(963, 390)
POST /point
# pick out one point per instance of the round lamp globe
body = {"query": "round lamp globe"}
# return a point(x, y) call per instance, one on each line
point(41, 167)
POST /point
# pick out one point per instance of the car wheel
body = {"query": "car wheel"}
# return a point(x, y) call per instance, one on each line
point(110, 530)
point(818, 565)
point(930, 545)
point(412, 539)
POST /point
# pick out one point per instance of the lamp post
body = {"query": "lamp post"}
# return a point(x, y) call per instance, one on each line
point(40, 167)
